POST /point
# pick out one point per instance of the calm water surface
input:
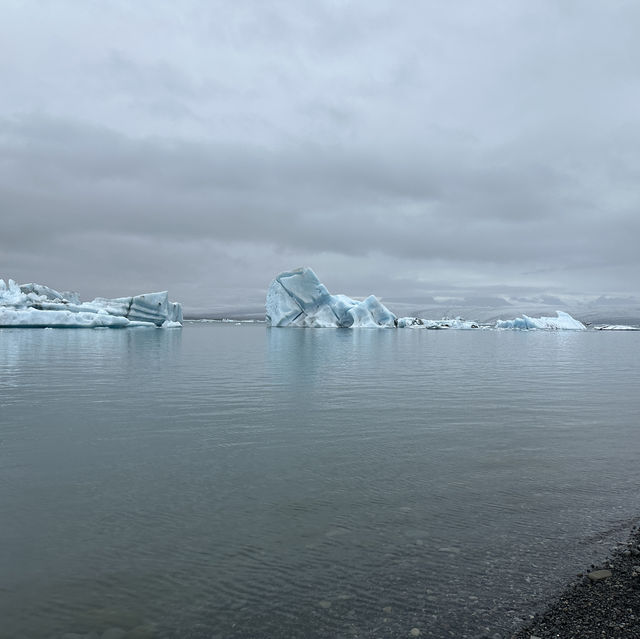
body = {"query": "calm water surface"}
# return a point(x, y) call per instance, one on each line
point(240, 481)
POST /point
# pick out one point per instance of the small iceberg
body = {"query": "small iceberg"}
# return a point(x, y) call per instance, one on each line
point(563, 321)
point(38, 306)
point(421, 322)
point(616, 327)
point(298, 298)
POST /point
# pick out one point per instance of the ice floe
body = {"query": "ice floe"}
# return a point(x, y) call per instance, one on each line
point(563, 321)
point(38, 306)
point(421, 322)
point(616, 327)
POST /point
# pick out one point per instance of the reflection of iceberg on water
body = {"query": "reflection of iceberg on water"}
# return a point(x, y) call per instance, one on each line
point(38, 306)
point(298, 298)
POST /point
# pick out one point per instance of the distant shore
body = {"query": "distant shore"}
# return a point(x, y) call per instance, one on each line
point(601, 603)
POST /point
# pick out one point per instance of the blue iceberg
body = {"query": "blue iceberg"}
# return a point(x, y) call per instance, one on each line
point(298, 298)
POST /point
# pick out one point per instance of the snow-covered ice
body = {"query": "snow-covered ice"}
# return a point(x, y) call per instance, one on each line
point(563, 321)
point(38, 306)
point(298, 298)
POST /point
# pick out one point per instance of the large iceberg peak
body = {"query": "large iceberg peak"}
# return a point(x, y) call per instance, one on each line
point(298, 298)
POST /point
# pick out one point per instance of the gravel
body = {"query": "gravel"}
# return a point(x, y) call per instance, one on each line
point(599, 606)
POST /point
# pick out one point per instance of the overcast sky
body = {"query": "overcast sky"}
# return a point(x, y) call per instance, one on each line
point(407, 149)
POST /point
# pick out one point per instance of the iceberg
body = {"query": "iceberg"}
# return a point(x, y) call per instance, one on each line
point(298, 298)
point(563, 321)
point(38, 306)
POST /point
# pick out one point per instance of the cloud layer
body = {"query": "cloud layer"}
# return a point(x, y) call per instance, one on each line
point(411, 150)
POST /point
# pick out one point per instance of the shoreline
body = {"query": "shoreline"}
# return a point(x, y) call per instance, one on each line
point(603, 602)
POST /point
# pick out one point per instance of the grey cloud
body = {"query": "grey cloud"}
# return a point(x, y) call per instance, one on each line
point(342, 200)
point(400, 148)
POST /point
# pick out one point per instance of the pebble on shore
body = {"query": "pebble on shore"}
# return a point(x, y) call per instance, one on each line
point(603, 603)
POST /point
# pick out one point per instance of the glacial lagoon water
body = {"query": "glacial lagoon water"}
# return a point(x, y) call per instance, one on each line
point(239, 481)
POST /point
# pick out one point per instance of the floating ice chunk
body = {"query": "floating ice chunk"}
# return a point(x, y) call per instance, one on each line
point(170, 324)
point(563, 321)
point(616, 327)
point(458, 323)
point(410, 322)
point(38, 306)
point(421, 322)
point(298, 298)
